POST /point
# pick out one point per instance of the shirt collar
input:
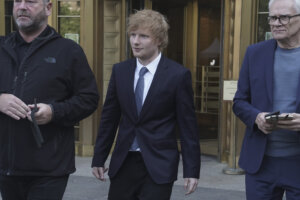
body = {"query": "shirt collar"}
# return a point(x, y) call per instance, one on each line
point(21, 41)
point(151, 66)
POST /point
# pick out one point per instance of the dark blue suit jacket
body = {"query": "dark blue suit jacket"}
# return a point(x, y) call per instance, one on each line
point(168, 106)
point(255, 95)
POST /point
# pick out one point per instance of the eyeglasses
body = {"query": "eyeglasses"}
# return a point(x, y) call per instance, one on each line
point(283, 19)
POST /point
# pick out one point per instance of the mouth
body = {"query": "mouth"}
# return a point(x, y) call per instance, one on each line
point(137, 49)
point(23, 16)
point(278, 31)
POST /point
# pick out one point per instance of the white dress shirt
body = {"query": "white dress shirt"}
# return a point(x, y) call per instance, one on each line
point(148, 77)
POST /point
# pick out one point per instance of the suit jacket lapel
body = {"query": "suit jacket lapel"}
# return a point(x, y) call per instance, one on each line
point(130, 87)
point(298, 97)
point(154, 88)
point(268, 65)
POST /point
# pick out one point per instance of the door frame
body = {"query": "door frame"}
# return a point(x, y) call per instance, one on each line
point(2, 17)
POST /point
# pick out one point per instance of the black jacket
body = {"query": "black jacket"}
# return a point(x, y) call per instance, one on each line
point(54, 71)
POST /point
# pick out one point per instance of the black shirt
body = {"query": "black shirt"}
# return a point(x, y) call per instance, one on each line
point(22, 46)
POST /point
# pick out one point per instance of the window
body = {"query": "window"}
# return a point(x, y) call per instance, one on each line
point(263, 28)
point(69, 19)
point(69, 27)
point(9, 21)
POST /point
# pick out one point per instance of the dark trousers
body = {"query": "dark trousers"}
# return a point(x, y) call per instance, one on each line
point(276, 176)
point(132, 182)
point(32, 187)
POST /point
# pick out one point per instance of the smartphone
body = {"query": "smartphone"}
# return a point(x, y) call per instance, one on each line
point(272, 113)
point(276, 117)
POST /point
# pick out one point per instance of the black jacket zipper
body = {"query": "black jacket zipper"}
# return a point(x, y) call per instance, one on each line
point(22, 85)
point(11, 135)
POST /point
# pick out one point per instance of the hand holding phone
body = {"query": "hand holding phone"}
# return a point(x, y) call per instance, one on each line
point(275, 116)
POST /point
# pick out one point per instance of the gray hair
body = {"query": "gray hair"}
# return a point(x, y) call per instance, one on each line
point(297, 5)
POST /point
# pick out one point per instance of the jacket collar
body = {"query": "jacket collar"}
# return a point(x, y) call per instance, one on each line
point(11, 41)
point(268, 65)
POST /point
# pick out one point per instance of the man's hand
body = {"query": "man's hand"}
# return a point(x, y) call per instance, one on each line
point(13, 106)
point(263, 125)
point(190, 185)
point(43, 115)
point(99, 172)
point(293, 125)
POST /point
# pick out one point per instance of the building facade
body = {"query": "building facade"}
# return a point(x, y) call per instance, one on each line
point(207, 36)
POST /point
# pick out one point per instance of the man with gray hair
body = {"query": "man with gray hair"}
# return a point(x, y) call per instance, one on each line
point(268, 102)
point(46, 87)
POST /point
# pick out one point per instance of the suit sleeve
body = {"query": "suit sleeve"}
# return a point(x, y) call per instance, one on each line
point(110, 118)
point(186, 119)
point(242, 106)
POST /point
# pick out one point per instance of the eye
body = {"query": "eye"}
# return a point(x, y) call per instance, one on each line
point(144, 36)
point(284, 17)
point(31, 2)
point(272, 18)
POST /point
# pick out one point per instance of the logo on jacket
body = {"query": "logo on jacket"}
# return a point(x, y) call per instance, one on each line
point(50, 60)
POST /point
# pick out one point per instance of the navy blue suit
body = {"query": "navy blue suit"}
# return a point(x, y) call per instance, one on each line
point(267, 177)
point(168, 106)
point(255, 95)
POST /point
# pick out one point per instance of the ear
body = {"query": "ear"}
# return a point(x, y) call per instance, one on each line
point(158, 42)
point(48, 8)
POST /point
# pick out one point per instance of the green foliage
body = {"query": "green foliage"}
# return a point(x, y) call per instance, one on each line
point(69, 18)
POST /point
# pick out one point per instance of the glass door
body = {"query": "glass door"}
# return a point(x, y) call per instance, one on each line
point(174, 11)
point(207, 79)
point(206, 70)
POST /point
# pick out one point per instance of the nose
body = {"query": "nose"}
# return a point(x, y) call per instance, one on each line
point(135, 39)
point(21, 4)
point(277, 22)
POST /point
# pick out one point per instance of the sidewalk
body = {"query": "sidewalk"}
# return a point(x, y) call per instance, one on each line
point(213, 184)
